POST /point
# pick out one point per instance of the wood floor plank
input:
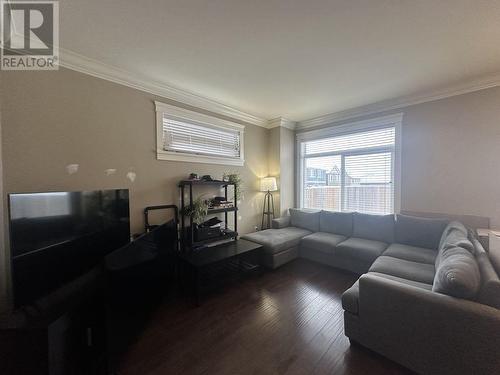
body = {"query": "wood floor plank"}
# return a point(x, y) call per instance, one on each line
point(287, 321)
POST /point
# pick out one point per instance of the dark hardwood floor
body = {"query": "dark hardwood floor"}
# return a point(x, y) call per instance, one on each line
point(287, 321)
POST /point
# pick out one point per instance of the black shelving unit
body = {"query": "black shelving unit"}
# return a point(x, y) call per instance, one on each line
point(187, 233)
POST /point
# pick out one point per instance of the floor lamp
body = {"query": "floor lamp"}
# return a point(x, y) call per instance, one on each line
point(268, 184)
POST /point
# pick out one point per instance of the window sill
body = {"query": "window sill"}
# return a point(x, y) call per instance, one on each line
point(174, 156)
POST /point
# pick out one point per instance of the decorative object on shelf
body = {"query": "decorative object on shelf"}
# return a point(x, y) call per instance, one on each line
point(204, 233)
point(210, 229)
point(207, 177)
point(234, 178)
point(268, 184)
point(193, 176)
point(211, 222)
point(219, 202)
point(198, 209)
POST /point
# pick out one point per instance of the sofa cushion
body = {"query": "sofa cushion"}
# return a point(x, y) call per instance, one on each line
point(416, 284)
point(360, 248)
point(373, 227)
point(336, 222)
point(457, 273)
point(321, 241)
point(411, 253)
point(406, 269)
point(305, 219)
point(419, 231)
point(489, 293)
point(456, 235)
point(277, 240)
point(350, 298)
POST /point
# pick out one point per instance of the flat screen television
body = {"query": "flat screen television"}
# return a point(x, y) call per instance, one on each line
point(57, 236)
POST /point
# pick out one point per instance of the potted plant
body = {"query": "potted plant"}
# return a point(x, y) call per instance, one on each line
point(198, 210)
point(234, 178)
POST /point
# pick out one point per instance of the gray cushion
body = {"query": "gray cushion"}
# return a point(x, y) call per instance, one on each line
point(456, 235)
point(336, 222)
point(457, 273)
point(350, 298)
point(305, 219)
point(419, 231)
point(360, 248)
point(421, 272)
point(374, 227)
point(416, 284)
point(411, 253)
point(321, 241)
point(277, 240)
point(489, 293)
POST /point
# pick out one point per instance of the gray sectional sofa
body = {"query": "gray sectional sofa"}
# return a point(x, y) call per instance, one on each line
point(428, 296)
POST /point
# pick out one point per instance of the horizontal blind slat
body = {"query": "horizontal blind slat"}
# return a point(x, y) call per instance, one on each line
point(346, 142)
point(180, 136)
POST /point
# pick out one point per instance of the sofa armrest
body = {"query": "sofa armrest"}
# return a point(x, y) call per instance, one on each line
point(427, 331)
point(281, 222)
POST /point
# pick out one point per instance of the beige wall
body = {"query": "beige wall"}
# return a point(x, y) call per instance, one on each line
point(281, 165)
point(451, 155)
point(287, 170)
point(52, 119)
point(274, 164)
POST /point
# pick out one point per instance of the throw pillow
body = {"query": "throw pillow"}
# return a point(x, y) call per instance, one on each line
point(457, 273)
point(305, 219)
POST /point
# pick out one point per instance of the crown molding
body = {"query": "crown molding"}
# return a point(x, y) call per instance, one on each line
point(281, 121)
point(82, 64)
point(405, 101)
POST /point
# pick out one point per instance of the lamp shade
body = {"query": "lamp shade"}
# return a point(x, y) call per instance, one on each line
point(268, 184)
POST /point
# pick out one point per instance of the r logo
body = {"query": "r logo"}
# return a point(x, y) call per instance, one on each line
point(29, 33)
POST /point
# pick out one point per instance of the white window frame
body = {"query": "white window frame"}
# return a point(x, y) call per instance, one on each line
point(177, 113)
point(394, 120)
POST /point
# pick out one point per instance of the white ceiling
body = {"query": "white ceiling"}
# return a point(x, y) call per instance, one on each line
point(290, 58)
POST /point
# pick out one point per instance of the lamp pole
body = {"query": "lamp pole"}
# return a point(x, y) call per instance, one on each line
point(269, 199)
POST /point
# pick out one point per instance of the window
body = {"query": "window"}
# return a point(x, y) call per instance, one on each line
point(353, 167)
point(185, 135)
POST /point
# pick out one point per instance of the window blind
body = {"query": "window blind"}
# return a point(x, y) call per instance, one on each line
point(353, 141)
point(194, 138)
point(350, 172)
